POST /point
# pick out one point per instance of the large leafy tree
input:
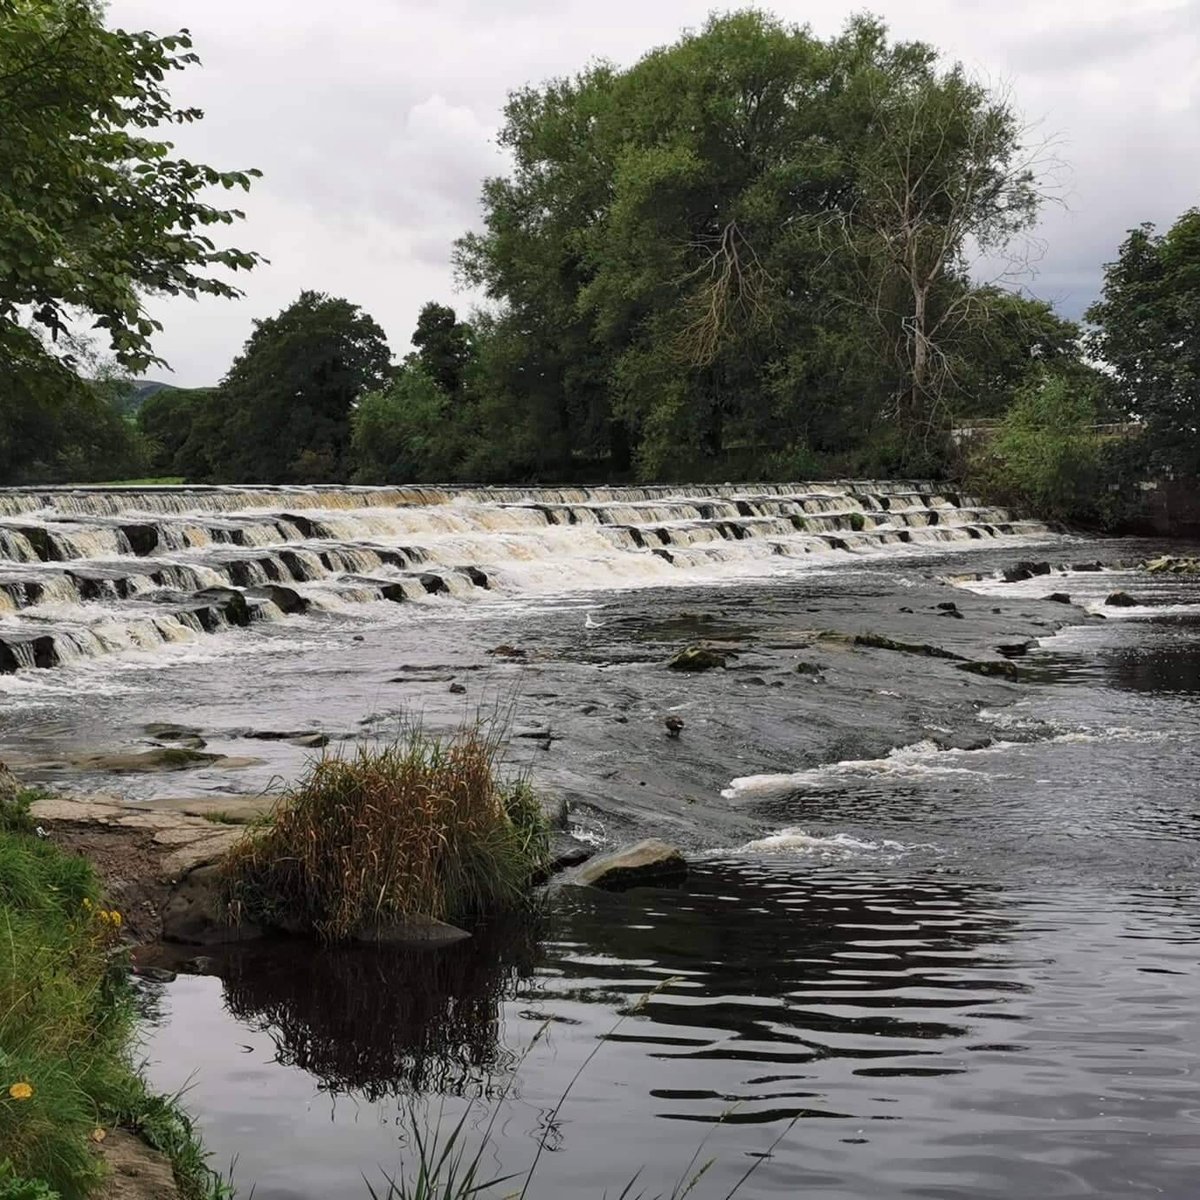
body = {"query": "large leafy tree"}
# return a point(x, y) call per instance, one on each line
point(1147, 329)
point(444, 346)
point(282, 412)
point(751, 238)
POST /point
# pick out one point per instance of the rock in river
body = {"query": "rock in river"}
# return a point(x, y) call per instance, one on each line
point(647, 863)
point(1121, 600)
point(697, 658)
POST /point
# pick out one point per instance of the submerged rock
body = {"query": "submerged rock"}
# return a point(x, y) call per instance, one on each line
point(507, 651)
point(698, 658)
point(167, 732)
point(1121, 600)
point(999, 668)
point(1058, 598)
point(877, 641)
point(648, 863)
point(413, 930)
point(1172, 565)
point(173, 758)
point(311, 741)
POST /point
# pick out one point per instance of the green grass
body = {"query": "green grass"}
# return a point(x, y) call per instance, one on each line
point(424, 826)
point(160, 481)
point(67, 1030)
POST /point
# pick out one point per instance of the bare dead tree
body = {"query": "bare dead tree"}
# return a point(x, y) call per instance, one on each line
point(731, 292)
point(948, 181)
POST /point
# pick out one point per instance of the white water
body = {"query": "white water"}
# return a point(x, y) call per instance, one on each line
point(92, 571)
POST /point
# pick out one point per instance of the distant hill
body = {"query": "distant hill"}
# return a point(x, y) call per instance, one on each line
point(138, 391)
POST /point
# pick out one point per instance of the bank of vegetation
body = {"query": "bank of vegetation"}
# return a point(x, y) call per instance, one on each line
point(68, 1074)
point(754, 253)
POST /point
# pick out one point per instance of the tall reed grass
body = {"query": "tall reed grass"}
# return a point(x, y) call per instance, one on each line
point(424, 826)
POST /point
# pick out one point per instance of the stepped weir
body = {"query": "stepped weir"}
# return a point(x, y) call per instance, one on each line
point(92, 571)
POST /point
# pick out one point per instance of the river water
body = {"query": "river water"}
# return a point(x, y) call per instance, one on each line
point(940, 937)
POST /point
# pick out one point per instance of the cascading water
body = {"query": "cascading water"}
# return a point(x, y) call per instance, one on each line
point(90, 571)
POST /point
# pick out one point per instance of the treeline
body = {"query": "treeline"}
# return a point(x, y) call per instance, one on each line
point(754, 253)
point(747, 254)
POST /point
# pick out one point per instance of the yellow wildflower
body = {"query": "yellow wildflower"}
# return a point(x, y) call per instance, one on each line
point(98, 1135)
point(21, 1091)
point(87, 904)
point(115, 918)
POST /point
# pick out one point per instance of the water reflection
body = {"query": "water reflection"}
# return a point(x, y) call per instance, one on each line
point(779, 970)
point(385, 1021)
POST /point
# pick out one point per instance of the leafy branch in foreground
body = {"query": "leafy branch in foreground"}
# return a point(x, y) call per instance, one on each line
point(94, 210)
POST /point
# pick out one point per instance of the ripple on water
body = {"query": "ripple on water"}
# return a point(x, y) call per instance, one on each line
point(948, 1037)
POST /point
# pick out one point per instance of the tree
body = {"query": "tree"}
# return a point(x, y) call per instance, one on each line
point(1147, 330)
point(166, 420)
point(94, 213)
point(751, 238)
point(1046, 455)
point(282, 412)
point(444, 346)
point(404, 433)
point(942, 176)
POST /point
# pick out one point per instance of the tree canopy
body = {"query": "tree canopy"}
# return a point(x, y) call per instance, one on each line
point(750, 237)
point(1147, 329)
point(282, 412)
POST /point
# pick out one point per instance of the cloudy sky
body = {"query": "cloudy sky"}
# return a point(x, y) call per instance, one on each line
point(374, 122)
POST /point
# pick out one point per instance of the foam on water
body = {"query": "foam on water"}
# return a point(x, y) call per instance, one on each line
point(916, 761)
point(832, 846)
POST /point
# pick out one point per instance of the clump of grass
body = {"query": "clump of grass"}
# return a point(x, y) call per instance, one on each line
point(424, 826)
point(15, 816)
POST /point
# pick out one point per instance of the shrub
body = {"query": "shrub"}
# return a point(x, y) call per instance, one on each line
point(1045, 455)
point(420, 827)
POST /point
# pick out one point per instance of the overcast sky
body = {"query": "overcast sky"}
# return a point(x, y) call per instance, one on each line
point(373, 122)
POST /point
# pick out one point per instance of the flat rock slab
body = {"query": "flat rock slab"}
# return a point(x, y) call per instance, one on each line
point(182, 841)
point(647, 863)
point(231, 810)
point(163, 759)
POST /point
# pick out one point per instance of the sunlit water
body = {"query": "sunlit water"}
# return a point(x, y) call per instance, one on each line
point(954, 974)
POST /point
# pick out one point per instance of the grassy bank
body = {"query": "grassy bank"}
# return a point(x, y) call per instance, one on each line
point(424, 827)
point(68, 1031)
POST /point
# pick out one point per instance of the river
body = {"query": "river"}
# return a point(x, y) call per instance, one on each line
point(940, 934)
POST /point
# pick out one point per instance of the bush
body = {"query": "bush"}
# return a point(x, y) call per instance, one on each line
point(1045, 455)
point(421, 827)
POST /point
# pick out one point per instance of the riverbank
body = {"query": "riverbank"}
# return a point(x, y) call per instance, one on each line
point(76, 1117)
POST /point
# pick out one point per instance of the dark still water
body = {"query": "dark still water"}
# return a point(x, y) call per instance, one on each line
point(949, 973)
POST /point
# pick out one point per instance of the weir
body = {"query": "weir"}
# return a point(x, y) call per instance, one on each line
point(91, 571)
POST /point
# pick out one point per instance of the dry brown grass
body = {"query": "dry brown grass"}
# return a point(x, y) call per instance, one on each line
point(423, 826)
